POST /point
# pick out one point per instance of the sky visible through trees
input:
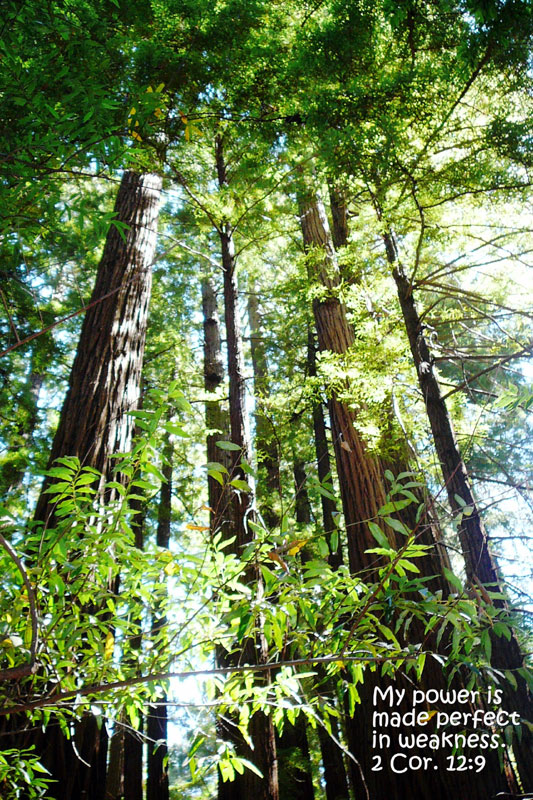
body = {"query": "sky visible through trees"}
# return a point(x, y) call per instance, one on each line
point(265, 383)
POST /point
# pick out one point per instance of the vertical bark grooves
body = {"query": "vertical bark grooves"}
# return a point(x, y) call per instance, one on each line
point(361, 481)
point(359, 473)
point(339, 215)
point(480, 565)
point(104, 384)
point(105, 377)
point(248, 785)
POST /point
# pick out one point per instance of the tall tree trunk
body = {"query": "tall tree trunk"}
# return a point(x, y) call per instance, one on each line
point(157, 787)
point(104, 384)
point(248, 785)
point(339, 215)
point(361, 483)
point(360, 478)
point(115, 766)
point(216, 417)
point(105, 377)
point(295, 778)
point(265, 444)
point(335, 777)
point(323, 462)
point(294, 765)
point(479, 562)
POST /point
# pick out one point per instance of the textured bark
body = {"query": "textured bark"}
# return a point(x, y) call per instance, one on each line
point(104, 384)
point(479, 562)
point(216, 418)
point(361, 480)
point(105, 377)
point(265, 444)
point(339, 215)
point(157, 786)
point(263, 755)
point(427, 530)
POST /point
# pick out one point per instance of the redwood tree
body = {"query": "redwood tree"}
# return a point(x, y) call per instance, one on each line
point(94, 424)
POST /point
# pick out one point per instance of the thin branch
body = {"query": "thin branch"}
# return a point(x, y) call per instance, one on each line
point(164, 676)
point(485, 371)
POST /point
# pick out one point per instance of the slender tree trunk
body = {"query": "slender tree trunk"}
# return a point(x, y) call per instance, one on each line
point(157, 787)
point(335, 777)
point(216, 417)
point(248, 785)
point(104, 384)
point(302, 504)
point(323, 461)
point(294, 765)
point(115, 767)
point(480, 565)
point(265, 444)
point(339, 215)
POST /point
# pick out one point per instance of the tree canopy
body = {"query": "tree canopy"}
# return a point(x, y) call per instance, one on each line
point(266, 395)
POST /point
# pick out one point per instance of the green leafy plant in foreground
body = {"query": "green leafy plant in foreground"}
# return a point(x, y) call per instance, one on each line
point(310, 615)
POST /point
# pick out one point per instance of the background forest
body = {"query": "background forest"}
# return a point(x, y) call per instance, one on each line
point(265, 397)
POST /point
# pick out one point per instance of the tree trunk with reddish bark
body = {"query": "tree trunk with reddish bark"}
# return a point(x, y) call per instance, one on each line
point(263, 754)
point(105, 378)
point(104, 385)
point(361, 481)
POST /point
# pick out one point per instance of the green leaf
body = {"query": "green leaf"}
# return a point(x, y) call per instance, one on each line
point(217, 465)
point(241, 485)
point(216, 475)
point(394, 505)
point(487, 643)
point(378, 535)
point(228, 446)
point(453, 579)
point(398, 526)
